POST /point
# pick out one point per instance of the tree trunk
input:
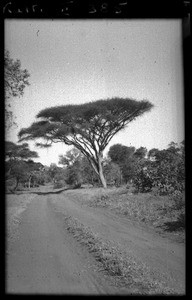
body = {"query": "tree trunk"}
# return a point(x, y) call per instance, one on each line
point(8, 173)
point(99, 169)
point(29, 182)
point(102, 178)
point(17, 183)
point(101, 175)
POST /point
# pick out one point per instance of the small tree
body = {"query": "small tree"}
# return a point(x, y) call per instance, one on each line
point(72, 161)
point(119, 153)
point(16, 157)
point(19, 172)
point(15, 81)
point(142, 181)
point(89, 127)
point(140, 153)
point(123, 156)
point(53, 171)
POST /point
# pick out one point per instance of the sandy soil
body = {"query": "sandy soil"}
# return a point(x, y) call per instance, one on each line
point(45, 258)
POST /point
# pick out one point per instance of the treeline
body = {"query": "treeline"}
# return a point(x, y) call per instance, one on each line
point(159, 170)
point(162, 170)
point(20, 169)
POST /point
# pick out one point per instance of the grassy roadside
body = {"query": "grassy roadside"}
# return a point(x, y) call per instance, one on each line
point(153, 210)
point(15, 206)
point(122, 268)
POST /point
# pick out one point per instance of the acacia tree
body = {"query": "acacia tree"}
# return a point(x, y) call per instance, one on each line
point(15, 81)
point(89, 127)
point(14, 152)
point(16, 157)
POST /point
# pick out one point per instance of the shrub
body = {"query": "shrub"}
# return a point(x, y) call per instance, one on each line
point(73, 177)
point(164, 177)
point(142, 181)
point(58, 185)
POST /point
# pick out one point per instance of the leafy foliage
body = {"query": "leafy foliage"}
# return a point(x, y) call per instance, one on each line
point(14, 151)
point(140, 153)
point(142, 180)
point(73, 177)
point(15, 81)
point(112, 172)
point(119, 153)
point(124, 157)
point(54, 172)
point(164, 170)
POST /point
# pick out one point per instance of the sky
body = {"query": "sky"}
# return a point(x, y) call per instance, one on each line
point(78, 61)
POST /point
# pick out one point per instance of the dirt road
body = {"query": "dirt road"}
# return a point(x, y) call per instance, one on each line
point(46, 259)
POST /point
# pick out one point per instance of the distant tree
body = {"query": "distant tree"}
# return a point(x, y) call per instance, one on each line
point(70, 157)
point(15, 153)
point(123, 156)
point(35, 173)
point(19, 171)
point(128, 168)
point(15, 81)
point(17, 164)
point(140, 153)
point(73, 176)
point(89, 127)
point(53, 171)
point(152, 154)
point(119, 153)
point(73, 162)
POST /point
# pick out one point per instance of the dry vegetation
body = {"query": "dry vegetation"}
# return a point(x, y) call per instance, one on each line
point(124, 270)
point(163, 213)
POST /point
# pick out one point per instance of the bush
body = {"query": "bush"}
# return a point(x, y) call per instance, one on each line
point(163, 177)
point(73, 177)
point(142, 182)
point(58, 185)
point(112, 173)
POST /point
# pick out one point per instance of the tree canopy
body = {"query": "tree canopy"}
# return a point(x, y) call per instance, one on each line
point(14, 151)
point(119, 153)
point(89, 127)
